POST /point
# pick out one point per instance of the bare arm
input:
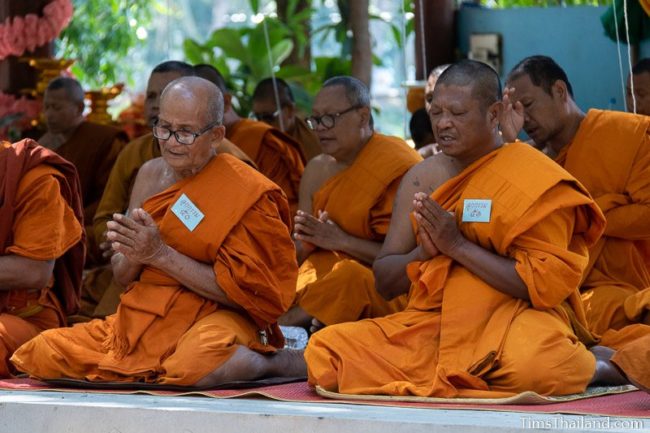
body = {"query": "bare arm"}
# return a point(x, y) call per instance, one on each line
point(17, 272)
point(400, 247)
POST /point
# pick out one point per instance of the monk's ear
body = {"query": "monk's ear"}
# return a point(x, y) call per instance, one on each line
point(227, 102)
point(80, 108)
point(218, 133)
point(560, 90)
point(364, 112)
point(494, 113)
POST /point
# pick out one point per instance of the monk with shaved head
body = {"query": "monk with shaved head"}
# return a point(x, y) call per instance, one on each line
point(202, 301)
point(491, 240)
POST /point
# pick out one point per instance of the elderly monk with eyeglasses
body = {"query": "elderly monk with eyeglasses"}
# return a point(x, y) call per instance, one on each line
point(346, 200)
point(202, 301)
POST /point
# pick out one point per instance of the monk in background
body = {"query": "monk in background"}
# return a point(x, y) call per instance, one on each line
point(91, 147)
point(430, 148)
point(42, 244)
point(101, 293)
point(493, 255)
point(202, 300)
point(281, 114)
point(277, 156)
point(346, 200)
point(609, 153)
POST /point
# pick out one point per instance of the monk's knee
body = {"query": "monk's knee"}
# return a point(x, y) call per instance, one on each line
point(322, 360)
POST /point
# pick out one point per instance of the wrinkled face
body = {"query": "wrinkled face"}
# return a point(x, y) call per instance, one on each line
point(183, 111)
point(462, 128)
point(428, 91)
point(542, 112)
point(61, 113)
point(641, 93)
point(343, 139)
point(266, 109)
point(156, 84)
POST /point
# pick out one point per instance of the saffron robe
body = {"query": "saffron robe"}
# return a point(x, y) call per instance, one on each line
point(610, 156)
point(460, 337)
point(332, 286)
point(93, 149)
point(101, 293)
point(41, 218)
point(277, 155)
point(163, 332)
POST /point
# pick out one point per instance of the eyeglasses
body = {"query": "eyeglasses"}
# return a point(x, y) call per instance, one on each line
point(183, 137)
point(328, 120)
point(266, 117)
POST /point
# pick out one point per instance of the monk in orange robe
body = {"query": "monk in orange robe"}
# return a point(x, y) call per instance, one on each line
point(501, 246)
point(100, 291)
point(609, 153)
point(91, 147)
point(346, 200)
point(281, 113)
point(203, 300)
point(276, 155)
point(41, 240)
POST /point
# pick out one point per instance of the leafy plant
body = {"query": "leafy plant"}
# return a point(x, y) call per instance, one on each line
point(100, 36)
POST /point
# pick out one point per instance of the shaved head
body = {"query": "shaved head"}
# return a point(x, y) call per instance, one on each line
point(484, 80)
point(265, 91)
point(72, 88)
point(212, 74)
point(196, 88)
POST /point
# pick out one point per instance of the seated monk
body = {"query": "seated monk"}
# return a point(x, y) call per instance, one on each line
point(346, 200)
point(91, 147)
point(41, 244)
point(202, 298)
point(281, 114)
point(278, 156)
point(429, 148)
point(609, 153)
point(101, 293)
point(494, 261)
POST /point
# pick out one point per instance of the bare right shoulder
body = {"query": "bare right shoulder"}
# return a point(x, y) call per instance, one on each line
point(151, 179)
point(318, 170)
point(428, 175)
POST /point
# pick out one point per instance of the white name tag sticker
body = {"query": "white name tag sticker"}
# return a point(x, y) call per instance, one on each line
point(187, 212)
point(476, 211)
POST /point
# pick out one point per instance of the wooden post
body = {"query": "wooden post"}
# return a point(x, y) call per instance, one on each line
point(16, 75)
point(435, 24)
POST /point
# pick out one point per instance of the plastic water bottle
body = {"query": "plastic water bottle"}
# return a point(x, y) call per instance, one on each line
point(295, 337)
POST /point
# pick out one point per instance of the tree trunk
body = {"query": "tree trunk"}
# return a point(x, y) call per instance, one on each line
point(296, 58)
point(361, 49)
point(434, 41)
point(14, 74)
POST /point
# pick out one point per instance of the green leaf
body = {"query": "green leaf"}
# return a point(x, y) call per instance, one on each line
point(255, 6)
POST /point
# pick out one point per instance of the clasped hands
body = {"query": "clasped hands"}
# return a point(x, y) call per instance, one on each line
point(135, 236)
point(437, 228)
point(319, 232)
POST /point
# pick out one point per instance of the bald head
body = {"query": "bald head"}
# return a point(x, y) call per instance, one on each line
point(356, 92)
point(199, 89)
point(543, 72)
point(484, 81)
point(72, 89)
point(265, 91)
point(212, 74)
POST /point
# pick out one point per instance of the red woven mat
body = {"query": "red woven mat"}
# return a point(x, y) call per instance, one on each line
point(631, 404)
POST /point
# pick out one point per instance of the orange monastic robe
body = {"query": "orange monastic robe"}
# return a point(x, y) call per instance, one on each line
point(458, 336)
point(100, 292)
point(277, 156)
point(610, 156)
point(165, 333)
point(332, 286)
point(38, 192)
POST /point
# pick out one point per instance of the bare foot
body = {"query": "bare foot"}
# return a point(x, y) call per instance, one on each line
point(606, 372)
point(289, 363)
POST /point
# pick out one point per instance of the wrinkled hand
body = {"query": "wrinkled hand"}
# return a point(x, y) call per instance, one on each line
point(106, 247)
point(437, 230)
point(321, 232)
point(512, 116)
point(137, 237)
